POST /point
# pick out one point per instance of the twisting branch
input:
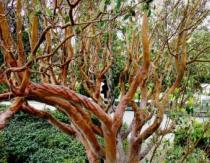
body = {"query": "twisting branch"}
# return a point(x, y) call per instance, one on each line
point(66, 128)
point(64, 92)
point(6, 96)
point(7, 114)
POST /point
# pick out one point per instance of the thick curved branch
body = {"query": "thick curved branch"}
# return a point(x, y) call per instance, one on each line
point(78, 121)
point(45, 115)
point(87, 118)
point(9, 113)
point(41, 39)
point(6, 96)
point(25, 80)
point(151, 129)
point(43, 90)
point(92, 157)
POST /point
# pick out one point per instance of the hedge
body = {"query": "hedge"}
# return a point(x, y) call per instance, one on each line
point(29, 139)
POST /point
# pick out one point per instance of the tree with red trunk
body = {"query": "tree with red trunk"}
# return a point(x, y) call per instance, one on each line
point(74, 44)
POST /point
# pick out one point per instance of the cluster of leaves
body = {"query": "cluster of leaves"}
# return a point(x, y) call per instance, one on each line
point(197, 132)
point(27, 139)
point(3, 88)
point(113, 4)
point(3, 152)
point(177, 152)
point(200, 43)
point(190, 133)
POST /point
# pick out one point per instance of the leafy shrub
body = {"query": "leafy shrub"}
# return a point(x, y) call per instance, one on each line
point(176, 153)
point(28, 139)
point(3, 88)
point(191, 132)
point(3, 152)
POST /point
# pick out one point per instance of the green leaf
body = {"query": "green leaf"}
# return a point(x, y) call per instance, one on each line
point(149, 13)
point(38, 9)
point(67, 19)
point(102, 5)
point(49, 12)
point(118, 4)
point(145, 7)
point(38, 13)
point(30, 57)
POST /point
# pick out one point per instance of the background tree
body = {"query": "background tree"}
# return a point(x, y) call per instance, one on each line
point(76, 44)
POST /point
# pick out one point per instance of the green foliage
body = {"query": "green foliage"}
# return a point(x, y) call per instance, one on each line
point(125, 142)
point(177, 152)
point(145, 7)
point(26, 42)
point(115, 5)
point(29, 139)
point(3, 88)
point(61, 116)
point(81, 90)
point(116, 69)
point(3, 107)
point(49, 12)
point(3, 152)
point(200, 43)
point(130, 14)
point(190, 133)
point(38, 9)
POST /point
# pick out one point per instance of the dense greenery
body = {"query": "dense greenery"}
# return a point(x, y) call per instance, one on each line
point(27, 139)
point(193, 137)
point(177, 152)
point(195, 133)
point(199, 42)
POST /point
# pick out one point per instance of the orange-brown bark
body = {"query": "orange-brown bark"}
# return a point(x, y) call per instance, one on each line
point(21, 54)
point(5, 36)
point(35, 26)
point(45, 115)
point(13, 109)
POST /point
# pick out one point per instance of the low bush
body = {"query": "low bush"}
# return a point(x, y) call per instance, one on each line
point(191, 135)
point(3, 88)
point(3, 152)
point(195, 133)
point(176, 154)
point(28, 139)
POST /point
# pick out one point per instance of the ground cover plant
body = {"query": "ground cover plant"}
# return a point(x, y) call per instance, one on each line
point(28, 139)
